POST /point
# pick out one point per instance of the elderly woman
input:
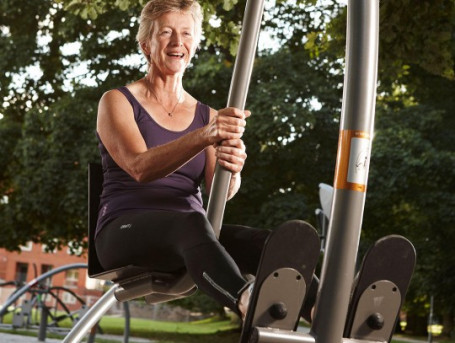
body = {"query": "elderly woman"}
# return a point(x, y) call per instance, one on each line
point(157, 145)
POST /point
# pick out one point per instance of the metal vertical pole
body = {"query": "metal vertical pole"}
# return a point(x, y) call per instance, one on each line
point(126, 331)
point(240, 81)
point(430, 321)
point(351, 174)
point(43, 322)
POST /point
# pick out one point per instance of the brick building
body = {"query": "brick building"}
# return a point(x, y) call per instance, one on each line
point(33, 261)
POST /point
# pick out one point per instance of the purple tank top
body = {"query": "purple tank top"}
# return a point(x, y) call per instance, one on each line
point(179, 191)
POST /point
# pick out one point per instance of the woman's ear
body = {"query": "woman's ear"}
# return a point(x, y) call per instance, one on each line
point(145, 48)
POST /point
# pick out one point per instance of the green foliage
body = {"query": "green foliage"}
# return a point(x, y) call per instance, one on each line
point(410, 192)
point(291, 144)
point(49, 182)
point(49, 117)
point(411, 33)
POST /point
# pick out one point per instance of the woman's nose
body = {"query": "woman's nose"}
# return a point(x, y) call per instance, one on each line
point(177, 40)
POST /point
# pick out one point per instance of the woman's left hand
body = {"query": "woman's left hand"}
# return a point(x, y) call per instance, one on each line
point(231, 155)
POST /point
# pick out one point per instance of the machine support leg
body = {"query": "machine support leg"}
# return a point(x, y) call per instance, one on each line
point(91, 317)
point(43, 323)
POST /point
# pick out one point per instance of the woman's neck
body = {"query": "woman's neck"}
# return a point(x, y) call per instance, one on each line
point(165, 90)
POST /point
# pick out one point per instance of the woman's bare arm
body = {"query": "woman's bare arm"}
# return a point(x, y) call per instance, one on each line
point(121, 137)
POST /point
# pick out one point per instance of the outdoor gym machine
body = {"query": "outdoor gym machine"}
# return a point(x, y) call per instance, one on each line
point(333, 309)
point(30, 285)
point(24, 289)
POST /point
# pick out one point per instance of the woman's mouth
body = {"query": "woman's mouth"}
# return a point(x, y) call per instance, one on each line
point(176, 54)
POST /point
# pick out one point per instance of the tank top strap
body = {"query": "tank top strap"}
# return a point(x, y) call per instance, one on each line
point(132, 100)
point(203, 112)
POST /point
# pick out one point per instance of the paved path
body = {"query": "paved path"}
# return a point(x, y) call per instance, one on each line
point(10, 338)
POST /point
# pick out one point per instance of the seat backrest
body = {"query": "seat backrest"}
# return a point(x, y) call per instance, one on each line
point(95, 187)
point(135, 281)
point(95, 270)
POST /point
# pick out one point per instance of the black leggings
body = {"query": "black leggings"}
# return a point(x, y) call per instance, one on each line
point(169, 241)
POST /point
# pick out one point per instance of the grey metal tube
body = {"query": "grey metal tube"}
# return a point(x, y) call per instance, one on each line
point(126, 331)
point(12, 299)
point(91, 317)
point(237, 97)
point(267, 335)
point(356, 129)
point(43, 323)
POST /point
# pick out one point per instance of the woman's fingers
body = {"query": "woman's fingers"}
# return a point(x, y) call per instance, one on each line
point(231, 155)
point(234, 112)
point(230, 123)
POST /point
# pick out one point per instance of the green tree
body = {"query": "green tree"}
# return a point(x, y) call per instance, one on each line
point(291, 138)
point(410, 193)
point(48, 114)
point(49, 200)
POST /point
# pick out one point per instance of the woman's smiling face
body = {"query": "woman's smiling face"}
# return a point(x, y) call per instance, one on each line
point(172, 45)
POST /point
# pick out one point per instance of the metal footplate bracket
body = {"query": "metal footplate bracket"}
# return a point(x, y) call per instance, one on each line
point(376, 312)
point(282, 294)
point(374, 319)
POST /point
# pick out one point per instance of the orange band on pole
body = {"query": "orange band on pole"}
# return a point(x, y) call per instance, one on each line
point(353, 160)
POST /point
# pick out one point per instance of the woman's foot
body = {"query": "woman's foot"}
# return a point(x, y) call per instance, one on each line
point(307, 311)
point(244, 300)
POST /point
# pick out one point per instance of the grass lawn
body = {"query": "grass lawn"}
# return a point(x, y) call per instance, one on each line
point(212, 330)
point(207, 331)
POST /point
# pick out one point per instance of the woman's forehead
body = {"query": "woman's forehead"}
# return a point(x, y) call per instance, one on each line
point(176, 18)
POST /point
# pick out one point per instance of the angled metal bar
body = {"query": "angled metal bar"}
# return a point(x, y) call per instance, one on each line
point(237, 97)
point(351, 174)
point(91, 317)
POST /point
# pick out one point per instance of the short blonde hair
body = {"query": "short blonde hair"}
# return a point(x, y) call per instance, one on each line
point(156, 8)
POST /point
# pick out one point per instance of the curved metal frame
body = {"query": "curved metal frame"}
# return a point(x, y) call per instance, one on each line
point(65, 308)
point(16, 295)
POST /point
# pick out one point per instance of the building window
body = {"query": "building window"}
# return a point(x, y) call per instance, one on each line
point(44, 269)
point(68, 298)
point(71, 278)
point(21, 272)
